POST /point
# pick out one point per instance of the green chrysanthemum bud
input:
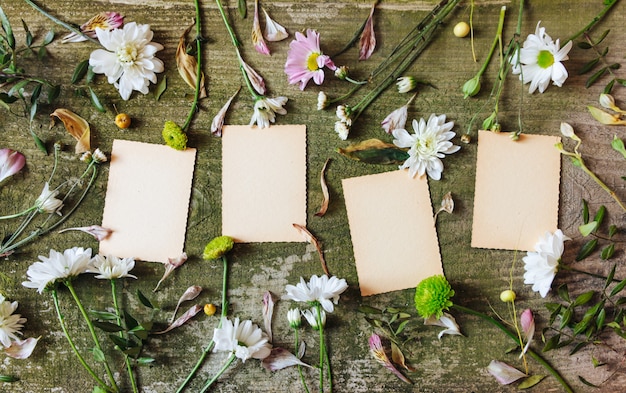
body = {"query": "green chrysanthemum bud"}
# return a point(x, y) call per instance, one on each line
point(218, 247)
point(471, 87)
point(432, 296)
point(174, 136)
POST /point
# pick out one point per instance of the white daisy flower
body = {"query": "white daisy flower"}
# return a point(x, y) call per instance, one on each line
point(128, 59)
point(10, 324)
point(57, 266)
point(539, 61)
point(47, 202)
point(265, 110)
point(542, 264)
point(323, 290)
point(243, 339)
point(311, 318)
point(427, 146)
point(111, 267)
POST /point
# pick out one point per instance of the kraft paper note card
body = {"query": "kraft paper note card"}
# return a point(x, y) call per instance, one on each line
point(393, 231)
point(263, 183)
point(147, 201)
point(517, 190)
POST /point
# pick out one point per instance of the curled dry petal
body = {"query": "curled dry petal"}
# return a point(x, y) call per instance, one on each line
point(195, 309)
point(605, 117)
point(256, 80)
point(380, 354)
point(527, 320)
point(98, 232)
point(447, 204)
point(367, 43)
point(76, 126)
point(106, 20)
point(188, 65)
point(281, 358)
point(21, 349)
point(311, 239)
point(170, 266)
point(325, 192)
point(11, 162)
point(268, 312)
point(257, 37)
point(218, 120)
point(191, 293)
point(504, 373)
point(446, 321)
point(273, 31)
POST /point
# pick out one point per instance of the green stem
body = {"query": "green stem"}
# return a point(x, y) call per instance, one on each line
point(211, 344)
point(517, 341)
point(129, 366)
point(593, 22)
point(296, 350)
point(233, 37)
point(230, 361)
point(320, 327)
point(30, 209)
point(494, 44)
point(82, 361)
point(196, 97)
point(60, 22)
point(92, 331)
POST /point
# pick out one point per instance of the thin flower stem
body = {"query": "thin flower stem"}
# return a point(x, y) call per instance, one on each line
point(60, 22)
point(211, 344)
point(196, 96)
point(92, 331)
point(497, 39)
point(296, 350)
point(606, 188)
point(129, 366)
point(230, 361)
point(320, 327)
point(233, 37)
point(82, 361)
point(530, 352)
point(18, 214)
point(594, 21)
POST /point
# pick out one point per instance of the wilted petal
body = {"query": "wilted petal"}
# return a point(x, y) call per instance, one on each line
point(311, 239)
point(446, 321)
point(281, 358)
point(255, 79)
point(195, 309)
point(273, 31)
point(218, 120)
point(325, 192)
point(98, 232)
point(380, 354)
point(396, 119)
point(21, 349)
point(11, 162)
point(527, 320)
point(191, 293)
point(268, 312)
point(604, 117)
point(76, 126)
point(188, 65)
point(105, 20)
point(504, 373)
point(170, 266)
point(367, 43)
point(257, 37)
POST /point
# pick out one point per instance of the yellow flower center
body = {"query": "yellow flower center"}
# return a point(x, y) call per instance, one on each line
point(545, 59)
point(127, 53)
point(311, 61)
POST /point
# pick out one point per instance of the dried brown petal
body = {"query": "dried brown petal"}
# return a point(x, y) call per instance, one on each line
point(367, 43)
point(76, 126)
point(311, 239)
point(325, 192)
point(188, 65)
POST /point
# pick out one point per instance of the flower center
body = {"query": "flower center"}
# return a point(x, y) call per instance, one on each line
point(127, 53)
point(426, 146)
point(311, 62)
point(545, 59)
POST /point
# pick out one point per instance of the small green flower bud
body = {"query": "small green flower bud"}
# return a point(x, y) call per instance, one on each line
point(174, 136)
point(471, 87)
point(218, 247)
point(341, 72)
point(507, 296)
point(618, 145)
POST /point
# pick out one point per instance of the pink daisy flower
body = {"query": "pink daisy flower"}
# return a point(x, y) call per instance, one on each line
point(305, 60)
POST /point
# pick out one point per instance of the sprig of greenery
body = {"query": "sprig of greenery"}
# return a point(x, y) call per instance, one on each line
point(600, 65)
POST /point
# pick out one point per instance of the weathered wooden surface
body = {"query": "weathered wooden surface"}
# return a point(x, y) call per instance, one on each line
point(453, 364)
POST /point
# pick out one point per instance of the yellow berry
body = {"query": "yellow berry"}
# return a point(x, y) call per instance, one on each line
point(461, 29)
point(122, 120)
point(507, 296)
point(210, 309)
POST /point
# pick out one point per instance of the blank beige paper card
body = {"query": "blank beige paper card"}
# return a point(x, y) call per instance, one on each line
point(517, 190)
point(263, 183)
point(393, 231)
point(147, 201)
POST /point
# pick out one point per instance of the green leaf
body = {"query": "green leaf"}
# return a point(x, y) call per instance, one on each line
point(144, 300)
point(131, 322)
point(599, 217)
point(585, 212)
point(609, 277)
point(584, 381)
point(602, 37)
point(375, 151)
point(33, 111)
point(53, 93)
point(34, 96)
point(563, 292)
point(48, 38)
point(392, 310)
point(29, 35)
point(42, 52)
point(618, 288)
point(243, 9)
point(588, 66)
point(108, 326)
point(104, 315)
point(143, 361)
point(6, 26)
point(90, 74)
point(612, 230)
point(593, 78)
point(369, 310)
point(98, 389)
point(609, 87)
point(95, 101)
point(8, 378)
point(578, 347)
point(80, 71)
point(18, 86)
point(38, 142)
point(552, 343)
point(588, 228)
point(583, 298)
point(140, 332)
point(401, 327)
point(98, 355)
point(566, 317)
point(607, 252)
point(615, 66)
point(600, 319)
point(586, 249)
point(530, 381)
point(119, 341)
point(584, 45)
point(161, 87)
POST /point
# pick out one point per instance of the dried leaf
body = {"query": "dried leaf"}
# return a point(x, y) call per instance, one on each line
point(367, 43)
point(398, 357)
point(195, 309)
point(170, 266)
point(325, 192)
point(311, 239)
point(188, 65)
point(76, 126)
point(447, 205)
point(375, 151)
point(530, 381)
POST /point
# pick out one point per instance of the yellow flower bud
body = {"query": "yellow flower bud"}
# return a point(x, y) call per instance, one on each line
point(507, 296)
point(461, 29)
point(210, 309)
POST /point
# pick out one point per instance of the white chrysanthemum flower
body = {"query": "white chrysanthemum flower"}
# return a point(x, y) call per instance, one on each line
point(322, 100)
point(406, 83)
point(111, 267)
point(128, 59)
point(265, 110)
point(10, 324)
point(57, 266)
point(323, 290)
point(47, 202)
point(311, 318)
point(542, 264)
point(294, 318)
point(342, 129)
point(427, 146)
point(540, 61)
point(243, 339)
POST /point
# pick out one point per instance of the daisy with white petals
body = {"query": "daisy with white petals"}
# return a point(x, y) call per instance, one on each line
point(47, 202)
point(10, 324)
point(128, 59)
point(539, 61)
point(427, 146)
point(111, 267)
point(243, 339)
point(542, 264)
point(265, 110)
point(322, 290)
point(57, 266)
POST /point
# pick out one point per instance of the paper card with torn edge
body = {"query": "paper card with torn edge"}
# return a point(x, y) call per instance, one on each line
point(516, 199)
point(263, 183)
point(393, 231)
point(147, 201)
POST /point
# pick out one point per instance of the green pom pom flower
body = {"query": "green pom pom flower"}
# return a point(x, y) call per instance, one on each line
point(218, 247)
point(432, 296)
point(174, 136)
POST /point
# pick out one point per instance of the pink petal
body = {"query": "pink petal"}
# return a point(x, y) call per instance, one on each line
point(11, 162)
point(195, 309)
point(21, 349)
point(281, 358)
point(367, 43)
